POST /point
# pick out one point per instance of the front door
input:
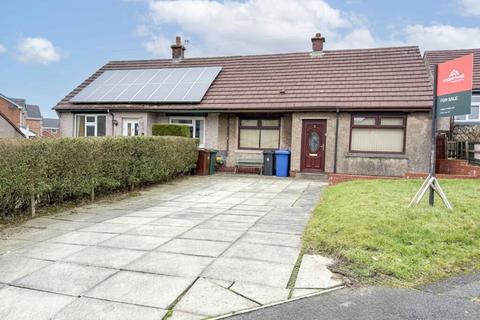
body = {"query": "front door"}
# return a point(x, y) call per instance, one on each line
point(131, 127)
point(313, 145)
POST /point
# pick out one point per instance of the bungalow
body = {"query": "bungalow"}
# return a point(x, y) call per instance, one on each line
point(364, 111)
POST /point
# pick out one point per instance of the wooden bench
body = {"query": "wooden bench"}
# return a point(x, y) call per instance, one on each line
point(249, 163)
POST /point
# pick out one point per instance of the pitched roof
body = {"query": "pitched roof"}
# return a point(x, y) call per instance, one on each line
point(50, 123)
point(20, 102)
point(33, 112)
point(13, 101)
point(439, 56)
point(382, 78)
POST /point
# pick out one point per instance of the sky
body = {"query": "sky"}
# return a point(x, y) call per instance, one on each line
point(48, 47)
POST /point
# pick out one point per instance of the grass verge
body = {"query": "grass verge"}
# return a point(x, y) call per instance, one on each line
point(367, 226)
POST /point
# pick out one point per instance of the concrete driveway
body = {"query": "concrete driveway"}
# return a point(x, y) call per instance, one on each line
point(197, 247)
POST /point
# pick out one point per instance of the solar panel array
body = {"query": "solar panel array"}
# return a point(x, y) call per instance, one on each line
point(150, 85)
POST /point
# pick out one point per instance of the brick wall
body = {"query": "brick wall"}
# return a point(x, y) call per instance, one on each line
point(416, 175)
point(35, 126)
point(335, 178)
point(457, 167)
point(13, 114)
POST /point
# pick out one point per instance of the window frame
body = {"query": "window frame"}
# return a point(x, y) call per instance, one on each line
point(260, 128)
point(193, 125)
point(377, 125)
point(85, 128)
point(467, 116)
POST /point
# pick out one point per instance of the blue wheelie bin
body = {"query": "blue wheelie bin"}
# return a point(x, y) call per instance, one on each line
point(282, 161)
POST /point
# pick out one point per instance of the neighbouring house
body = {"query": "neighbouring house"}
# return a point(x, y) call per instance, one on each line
point(50, 127)
point(34, 119)
point(8, 129)
point(359, 111)
point(439, 56)
point(13, 114)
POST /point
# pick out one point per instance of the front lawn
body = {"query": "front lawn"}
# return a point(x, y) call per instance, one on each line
point(367, 226)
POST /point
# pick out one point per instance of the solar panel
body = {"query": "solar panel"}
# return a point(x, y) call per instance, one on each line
point(150, 85)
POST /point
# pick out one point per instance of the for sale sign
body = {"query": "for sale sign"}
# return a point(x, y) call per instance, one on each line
point(454, 86)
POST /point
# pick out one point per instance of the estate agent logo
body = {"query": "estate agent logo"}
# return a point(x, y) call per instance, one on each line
point(454, 86)
point(455, 76)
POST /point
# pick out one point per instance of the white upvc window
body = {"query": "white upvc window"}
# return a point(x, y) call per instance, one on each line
point(196, 124)
point(90, 125)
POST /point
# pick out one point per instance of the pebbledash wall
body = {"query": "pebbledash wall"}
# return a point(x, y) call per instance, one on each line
point(415, 159)
point(221, 132)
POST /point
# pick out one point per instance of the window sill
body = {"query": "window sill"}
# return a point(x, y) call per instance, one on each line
point(375, 155)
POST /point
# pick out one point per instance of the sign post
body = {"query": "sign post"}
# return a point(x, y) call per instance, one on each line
point(452, 96)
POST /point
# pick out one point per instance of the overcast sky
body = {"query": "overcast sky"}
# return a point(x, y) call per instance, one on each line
point(48, 47)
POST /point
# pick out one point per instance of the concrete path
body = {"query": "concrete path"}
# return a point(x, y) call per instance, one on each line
point(190, 249)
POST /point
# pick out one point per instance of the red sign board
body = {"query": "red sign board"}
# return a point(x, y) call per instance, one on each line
point(454, 86)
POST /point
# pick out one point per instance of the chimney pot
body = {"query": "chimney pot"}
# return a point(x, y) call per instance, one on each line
point(317, 43)
point(178, 49)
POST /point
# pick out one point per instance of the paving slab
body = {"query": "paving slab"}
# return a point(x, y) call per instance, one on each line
point(49, 251)
point(25, 304)
point(15, 267)
point(13, 244)
point(252, 271)
point(195, 247)
point(225, 225)
point(131, 220)
point(34, 234)
point(158, 231)
point(171, 264)
point(296, 293)
point(245, 212)
point(260, 293)
point(94, 309)
point(207, 298)
point(165, 221)
point(236, 218)
point(141, 288)
point(105, 257)
point(314, 274)
point(134, 242)
point(264, 252)
point(106, 227)
point(65, 278)
point(212, 234)
point(287, 240)
point(278, 228)
point(81, 238)
point(245, 207)
point(179, 315)
point(222, 283)
point(68, 225)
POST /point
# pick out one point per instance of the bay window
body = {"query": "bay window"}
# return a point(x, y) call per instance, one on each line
point(259, 133)
point(378, 133)
point(196, 125)
point(90, 125)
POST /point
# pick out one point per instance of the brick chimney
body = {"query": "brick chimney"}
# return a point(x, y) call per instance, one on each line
point(317, 43)
point(178, 49)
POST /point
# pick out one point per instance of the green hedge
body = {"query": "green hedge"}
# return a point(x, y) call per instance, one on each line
point(177, 130)
point(54, 170)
